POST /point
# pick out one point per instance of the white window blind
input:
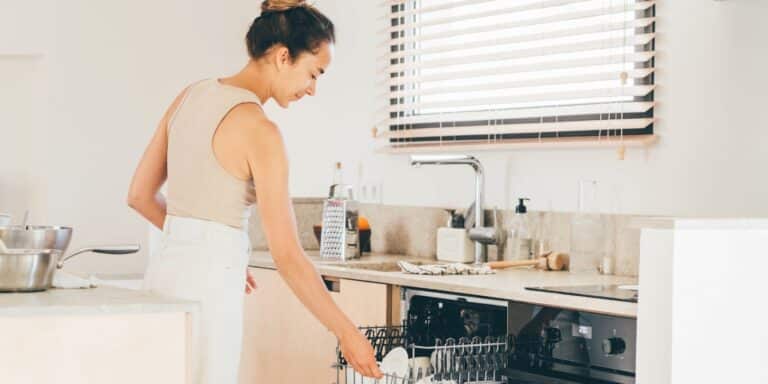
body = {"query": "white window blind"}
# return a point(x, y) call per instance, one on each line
point(495, 72)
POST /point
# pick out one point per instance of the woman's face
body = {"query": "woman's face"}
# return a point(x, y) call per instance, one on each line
point(297, 78)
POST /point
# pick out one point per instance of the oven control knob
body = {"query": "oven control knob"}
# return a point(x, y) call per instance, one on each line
point(614, 346)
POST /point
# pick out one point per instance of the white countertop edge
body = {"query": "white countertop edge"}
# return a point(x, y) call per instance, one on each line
point(600, 306)
point(119, 309)
point(91, 301)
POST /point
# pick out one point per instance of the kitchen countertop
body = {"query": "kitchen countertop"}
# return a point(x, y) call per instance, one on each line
point(506, 284)
point(99, 300)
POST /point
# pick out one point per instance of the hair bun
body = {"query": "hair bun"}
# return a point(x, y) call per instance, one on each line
point(281, 5)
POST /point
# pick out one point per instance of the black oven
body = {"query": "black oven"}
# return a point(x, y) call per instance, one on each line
point(554, 345)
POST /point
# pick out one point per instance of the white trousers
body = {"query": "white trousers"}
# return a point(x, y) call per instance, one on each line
point(205, 261)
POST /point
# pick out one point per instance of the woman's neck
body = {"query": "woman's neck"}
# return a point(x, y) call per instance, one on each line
point(252, 77)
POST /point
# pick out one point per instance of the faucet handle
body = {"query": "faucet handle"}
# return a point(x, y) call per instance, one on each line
point(490, 235)
point(484, 235)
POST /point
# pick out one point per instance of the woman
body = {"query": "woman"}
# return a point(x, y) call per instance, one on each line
point(218, 152)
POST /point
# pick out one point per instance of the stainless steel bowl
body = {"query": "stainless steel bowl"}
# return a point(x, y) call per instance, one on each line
point(36, 237)
point(30, 261)
point(35, 252)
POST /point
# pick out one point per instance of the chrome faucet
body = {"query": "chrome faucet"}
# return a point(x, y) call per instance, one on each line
point(481, 247)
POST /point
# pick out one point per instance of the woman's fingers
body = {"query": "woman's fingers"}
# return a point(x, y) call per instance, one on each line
point(367, 368)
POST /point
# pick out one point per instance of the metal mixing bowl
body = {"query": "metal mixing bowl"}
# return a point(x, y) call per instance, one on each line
point(33, 252)
point(36, 237)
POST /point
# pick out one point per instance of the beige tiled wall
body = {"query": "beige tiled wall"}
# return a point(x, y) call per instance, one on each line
point(412, 231)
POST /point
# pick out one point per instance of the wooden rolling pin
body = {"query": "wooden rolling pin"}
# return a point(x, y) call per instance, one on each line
point(553, 261)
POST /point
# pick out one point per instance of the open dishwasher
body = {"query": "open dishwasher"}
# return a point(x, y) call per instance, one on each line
point(448, 339)
point(471, 339)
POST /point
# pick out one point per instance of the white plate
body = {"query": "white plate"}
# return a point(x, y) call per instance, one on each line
point(396, 363)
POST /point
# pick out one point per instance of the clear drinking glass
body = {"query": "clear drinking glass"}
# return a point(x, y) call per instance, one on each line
point(587, 231)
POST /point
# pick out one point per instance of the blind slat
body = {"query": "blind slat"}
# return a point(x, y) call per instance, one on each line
point(567, 126)
point(634, 91)
point(618, 108)
point(437, 7)
point(606, 43)
point(564, 32)
point(586, 78)
point(569, 16)
point(638, 57)
point(479, 15)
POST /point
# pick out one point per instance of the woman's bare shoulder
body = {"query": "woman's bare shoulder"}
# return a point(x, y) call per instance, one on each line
point(252, 126)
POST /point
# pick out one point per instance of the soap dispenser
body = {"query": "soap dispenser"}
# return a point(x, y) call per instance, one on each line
point(520, 244)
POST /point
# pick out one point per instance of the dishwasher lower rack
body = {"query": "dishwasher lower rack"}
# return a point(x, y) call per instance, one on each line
point(452, 361)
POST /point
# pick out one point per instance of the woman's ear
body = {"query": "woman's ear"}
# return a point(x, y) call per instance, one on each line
point(282, 57)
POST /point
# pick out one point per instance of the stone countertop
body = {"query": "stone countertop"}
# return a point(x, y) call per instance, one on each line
point(89, 301)
point(508, 284)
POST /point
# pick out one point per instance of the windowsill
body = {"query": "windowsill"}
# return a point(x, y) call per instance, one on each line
point(564, 142)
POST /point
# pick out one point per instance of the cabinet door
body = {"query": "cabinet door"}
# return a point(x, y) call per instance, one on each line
point(284, 343)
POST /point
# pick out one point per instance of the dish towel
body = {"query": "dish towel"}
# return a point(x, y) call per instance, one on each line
point(445, 269)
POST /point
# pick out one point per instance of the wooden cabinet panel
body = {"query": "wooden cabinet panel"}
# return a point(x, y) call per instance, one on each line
point(284, 343)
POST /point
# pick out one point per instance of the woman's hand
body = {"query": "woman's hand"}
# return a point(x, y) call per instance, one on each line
point(358, 352)
point(250, 282)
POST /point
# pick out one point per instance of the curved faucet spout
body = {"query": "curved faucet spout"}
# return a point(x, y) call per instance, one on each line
point(481, 250)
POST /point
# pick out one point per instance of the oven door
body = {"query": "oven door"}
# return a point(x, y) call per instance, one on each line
point(555, 345)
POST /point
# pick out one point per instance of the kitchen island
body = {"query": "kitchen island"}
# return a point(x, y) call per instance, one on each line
point(94, 335)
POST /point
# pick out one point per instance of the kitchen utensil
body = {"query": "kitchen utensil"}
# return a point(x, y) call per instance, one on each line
point(339, 239)
point(34, 253)
point(25, 220)
point(31, 270)
point(553, 261)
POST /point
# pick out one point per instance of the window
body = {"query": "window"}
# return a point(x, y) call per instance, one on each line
point(495, 73)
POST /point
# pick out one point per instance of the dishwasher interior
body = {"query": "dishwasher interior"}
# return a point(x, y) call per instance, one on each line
point(468, 339)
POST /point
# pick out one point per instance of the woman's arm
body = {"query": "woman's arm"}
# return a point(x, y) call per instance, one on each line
point(269, 169)
point(144, 193)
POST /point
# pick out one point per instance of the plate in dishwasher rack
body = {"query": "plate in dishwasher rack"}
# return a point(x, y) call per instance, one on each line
point(396, 363)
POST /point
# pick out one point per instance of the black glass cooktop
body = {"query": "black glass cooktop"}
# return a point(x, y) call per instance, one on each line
point(608, 292)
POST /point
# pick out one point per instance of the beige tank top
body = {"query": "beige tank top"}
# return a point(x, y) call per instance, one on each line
point(198, 186)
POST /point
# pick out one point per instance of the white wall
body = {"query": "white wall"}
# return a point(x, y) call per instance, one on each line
point(113, 67)
point(710, 91)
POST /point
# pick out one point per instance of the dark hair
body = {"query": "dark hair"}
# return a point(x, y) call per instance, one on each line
point(298, 26)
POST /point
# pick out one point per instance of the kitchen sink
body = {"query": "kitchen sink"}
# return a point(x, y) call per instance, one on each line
point(380, 266)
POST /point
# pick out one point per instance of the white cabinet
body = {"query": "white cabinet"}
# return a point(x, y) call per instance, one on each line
point(115, 348)
point(702, 302)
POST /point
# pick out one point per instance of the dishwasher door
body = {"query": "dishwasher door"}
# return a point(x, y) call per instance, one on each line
point(431, 315)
